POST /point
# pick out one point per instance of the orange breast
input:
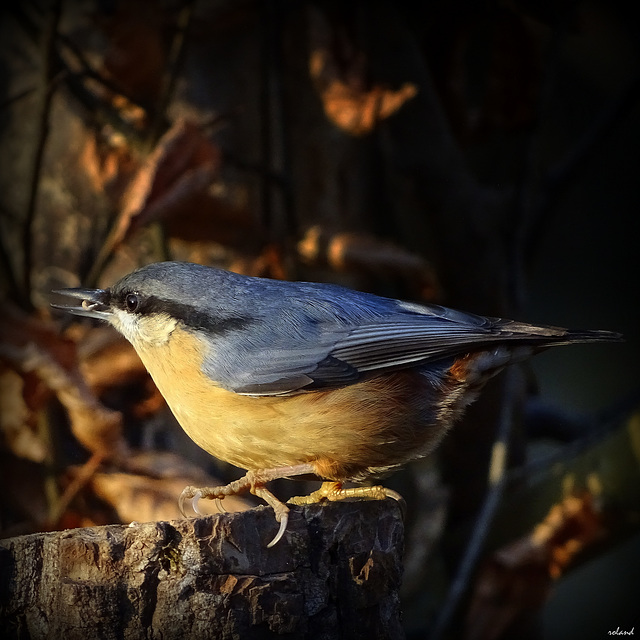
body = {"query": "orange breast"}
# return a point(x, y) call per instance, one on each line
point(349, 432)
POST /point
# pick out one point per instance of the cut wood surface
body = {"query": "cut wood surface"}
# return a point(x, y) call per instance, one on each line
point(336, 574)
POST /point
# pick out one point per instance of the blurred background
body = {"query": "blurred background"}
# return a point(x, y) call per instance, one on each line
point(481, 155)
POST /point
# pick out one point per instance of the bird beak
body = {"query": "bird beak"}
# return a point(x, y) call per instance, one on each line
point(95, 302)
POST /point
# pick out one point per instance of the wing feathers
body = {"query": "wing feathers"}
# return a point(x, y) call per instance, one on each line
point(331, 351)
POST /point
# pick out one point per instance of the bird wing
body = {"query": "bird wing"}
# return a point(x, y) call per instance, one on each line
point(339, 355)
point(330, 337)
point(393, 345)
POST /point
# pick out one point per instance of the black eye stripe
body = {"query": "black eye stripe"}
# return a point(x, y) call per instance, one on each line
point(134, 302)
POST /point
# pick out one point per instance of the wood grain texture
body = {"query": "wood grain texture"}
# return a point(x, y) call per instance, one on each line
point(336, 574)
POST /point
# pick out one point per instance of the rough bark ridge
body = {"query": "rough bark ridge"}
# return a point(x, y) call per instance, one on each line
point(336, 574)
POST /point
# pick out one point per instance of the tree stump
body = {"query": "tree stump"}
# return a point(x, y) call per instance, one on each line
point(335, 574)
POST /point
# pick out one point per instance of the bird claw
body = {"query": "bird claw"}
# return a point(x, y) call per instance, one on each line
point(194, 502)
point(187, 494)
point(402, 503)
point(284, 520)
point(328, 491)
point(253, 481)
point(194, 496)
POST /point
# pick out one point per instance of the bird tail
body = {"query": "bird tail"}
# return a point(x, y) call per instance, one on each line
point(589, 335)
point(522, 341)
point(544, 336)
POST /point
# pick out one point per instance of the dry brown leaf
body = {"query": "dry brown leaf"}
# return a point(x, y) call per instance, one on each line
point(109, 363)
point(106, 89)
point(150, 489)
point(361, 252)
point(16, 419)
point(96, 427)
point(109, 166)
point(568, 529)
point(109, 359)
point(211, 218)
point(18, 329)
point(347, 99)
point(32, 347)
point(515, 582)
point(269, 263)
point(182, 167)
point(355, 111)
point(146, 499)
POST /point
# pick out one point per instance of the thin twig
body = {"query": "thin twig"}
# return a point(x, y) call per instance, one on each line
point(159, 122)
point(176, 54)
point(9, 272)
point(50, 479)
point(19, 96)
point(496, 483)
point(86, 472)
point(88, 71)
point(102, 111)
point(50, 86)
point(605, 422)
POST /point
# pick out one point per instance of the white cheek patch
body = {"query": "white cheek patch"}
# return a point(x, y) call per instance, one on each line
point(143, 330)
point(156, 329)
point(126, 324)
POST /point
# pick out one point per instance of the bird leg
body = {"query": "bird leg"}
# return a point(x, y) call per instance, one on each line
point(333, 491)
point(253, 481)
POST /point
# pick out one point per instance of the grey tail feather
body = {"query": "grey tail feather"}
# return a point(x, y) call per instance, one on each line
point(543, 337)
point(591, 335)
point(549, 335)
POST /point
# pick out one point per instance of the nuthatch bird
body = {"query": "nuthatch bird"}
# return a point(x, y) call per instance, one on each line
point(289, 379)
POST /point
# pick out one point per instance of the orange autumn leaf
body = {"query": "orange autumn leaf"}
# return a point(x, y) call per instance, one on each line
point(34, 350)
point(360, 252)
point(109, 167)
point(353, 109)
point(516, 580)
point(182, 166)
point(339, 72)
point(147, 489)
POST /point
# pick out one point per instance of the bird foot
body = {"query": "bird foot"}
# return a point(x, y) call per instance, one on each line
point(333, 491)
point(254, 482)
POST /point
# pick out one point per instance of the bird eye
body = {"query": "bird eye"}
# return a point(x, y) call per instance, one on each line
point(132, 301)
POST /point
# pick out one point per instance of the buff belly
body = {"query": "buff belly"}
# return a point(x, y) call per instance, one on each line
point(350, 432)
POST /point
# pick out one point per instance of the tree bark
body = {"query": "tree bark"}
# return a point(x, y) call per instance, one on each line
point(336, 574)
